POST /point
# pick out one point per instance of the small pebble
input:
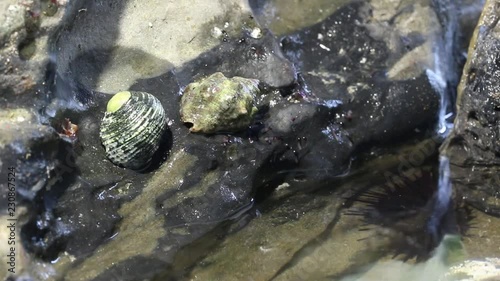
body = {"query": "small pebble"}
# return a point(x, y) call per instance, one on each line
point(256, 33)
point(324, 47)
point(216, 32)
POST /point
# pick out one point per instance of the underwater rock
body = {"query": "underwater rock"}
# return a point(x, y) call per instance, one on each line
point(12, 19)
point(218, 104)
point(473, 146)
point(475, 270)
point(132, 128)
point(105, 222)
point(98, 53)
point(285, 16)
point(104, 54)
point(25, 29)
point(296, 234)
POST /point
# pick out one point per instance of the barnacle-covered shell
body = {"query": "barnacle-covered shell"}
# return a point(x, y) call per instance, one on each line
point(218, 103)
point(132, 128)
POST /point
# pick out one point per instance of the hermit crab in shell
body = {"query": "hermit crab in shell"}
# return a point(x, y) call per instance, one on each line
point(217, 103)
point(132, 129)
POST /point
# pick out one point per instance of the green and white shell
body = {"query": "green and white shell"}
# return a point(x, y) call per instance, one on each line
point(217, 103)
point(132, 128)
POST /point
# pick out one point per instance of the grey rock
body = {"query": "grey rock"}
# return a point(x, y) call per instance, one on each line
point(476, 270)
point(24, 56)
point(104, 222)
point(30, 149)
point(334, 70)
point(127, 40)
point(12, 16)
point(473, 146)
point(284, 16)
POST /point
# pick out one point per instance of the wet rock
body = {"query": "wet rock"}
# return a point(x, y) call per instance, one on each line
point(342, 60)
point(476, 270)
point(102, 221)
point(314, 236)
point(25, 30)
point(283, 17)
point(33, 156)
point(473, 147)
point(103, 67)
point(100, 47)
point(469, 12)
point(244, 56)
point(31, 149)
point(12, 19)
point(487, 228)
point(435, 268)
point(272, 241)
point(203, 182)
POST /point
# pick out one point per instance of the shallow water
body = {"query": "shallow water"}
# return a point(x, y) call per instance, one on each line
point(358, 192)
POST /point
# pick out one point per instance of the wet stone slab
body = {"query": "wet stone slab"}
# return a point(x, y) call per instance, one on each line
point(322, 100)
point(474, 144)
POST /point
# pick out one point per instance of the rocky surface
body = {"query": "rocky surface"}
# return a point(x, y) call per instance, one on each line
point(107, 46)
point(338, 91)
point(33, 149)
point(283, 17)
point(296, 241)
point(473, 147)
point(476, 270)
point(25, 31)
point(204, 180)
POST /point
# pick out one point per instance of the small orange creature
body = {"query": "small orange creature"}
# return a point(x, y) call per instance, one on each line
point(69, 129)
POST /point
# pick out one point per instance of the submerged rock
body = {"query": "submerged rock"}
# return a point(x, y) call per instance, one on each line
point(285, 16)
point(476, 270)
point(100, 47)
point(218, 103)
point(104, 222)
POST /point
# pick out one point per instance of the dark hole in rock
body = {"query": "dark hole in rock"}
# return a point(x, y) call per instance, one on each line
point(412, 40)
point(473, 134)
point(189, 125)
point(497, 60)
point(472, 116)
point(27, 48)
point(471, 76)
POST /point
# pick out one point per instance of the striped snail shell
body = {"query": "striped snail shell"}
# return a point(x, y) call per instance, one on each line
point(132, 128)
